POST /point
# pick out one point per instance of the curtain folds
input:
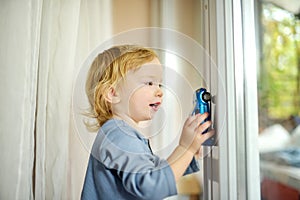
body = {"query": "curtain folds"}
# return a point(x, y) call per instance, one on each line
point(43, 43)
point(56, 65)
point(19, 38)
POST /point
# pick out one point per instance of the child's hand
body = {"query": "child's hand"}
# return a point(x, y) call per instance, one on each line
point(191, 136)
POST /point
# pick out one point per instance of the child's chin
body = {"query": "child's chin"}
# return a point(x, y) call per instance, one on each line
point(150, 117)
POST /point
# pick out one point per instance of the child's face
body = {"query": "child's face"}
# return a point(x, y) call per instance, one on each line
point(140, 92)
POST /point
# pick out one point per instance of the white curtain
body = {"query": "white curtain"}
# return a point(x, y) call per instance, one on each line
point(43, 43)
point(18, 89)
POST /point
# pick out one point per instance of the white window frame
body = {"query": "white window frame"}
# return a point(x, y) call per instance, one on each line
point(231, 171)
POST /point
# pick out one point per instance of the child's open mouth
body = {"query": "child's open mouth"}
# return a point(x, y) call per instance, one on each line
point(155, 106)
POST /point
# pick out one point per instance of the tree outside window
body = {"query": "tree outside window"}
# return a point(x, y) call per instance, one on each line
point(279, 74)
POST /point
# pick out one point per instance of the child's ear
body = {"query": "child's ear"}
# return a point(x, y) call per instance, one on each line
point(112, 96)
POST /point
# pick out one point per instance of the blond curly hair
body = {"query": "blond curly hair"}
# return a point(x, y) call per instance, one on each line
point(107, 69)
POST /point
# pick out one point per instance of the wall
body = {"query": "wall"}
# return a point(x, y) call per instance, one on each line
point(130, 14)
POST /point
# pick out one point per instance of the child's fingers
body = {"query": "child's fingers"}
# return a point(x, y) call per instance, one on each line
point(190, 119)
point(207, 135)
point(197, 119)
point(200, 129)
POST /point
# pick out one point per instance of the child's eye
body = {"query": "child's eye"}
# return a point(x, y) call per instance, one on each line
point(150, 83)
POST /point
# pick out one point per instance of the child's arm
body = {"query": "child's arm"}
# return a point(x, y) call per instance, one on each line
point(189, 144)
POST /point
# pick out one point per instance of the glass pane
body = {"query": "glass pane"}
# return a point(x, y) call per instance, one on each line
point(279, 104)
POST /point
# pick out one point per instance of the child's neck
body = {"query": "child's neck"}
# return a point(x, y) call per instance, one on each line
point(142, 127)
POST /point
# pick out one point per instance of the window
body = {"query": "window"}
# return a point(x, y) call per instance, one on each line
point(279, 87)
point(279, 103)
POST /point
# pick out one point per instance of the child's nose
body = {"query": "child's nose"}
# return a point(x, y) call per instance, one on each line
point(159, 92)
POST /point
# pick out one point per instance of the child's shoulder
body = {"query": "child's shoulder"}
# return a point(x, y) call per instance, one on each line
point(116, 125)
point(119, 128)
point(119, 133)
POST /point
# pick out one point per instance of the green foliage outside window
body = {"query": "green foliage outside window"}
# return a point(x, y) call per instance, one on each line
point(278, 86)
